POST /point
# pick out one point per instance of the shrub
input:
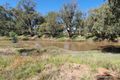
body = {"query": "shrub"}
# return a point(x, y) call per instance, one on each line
point(13, 36)
point(24, 38)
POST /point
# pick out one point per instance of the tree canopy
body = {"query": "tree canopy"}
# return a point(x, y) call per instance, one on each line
point(24, 19)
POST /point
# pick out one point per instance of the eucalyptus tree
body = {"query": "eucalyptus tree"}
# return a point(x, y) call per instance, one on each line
point(21, 19)
point(27, 16)
point(70, 16)
point(7, 22)
point(51, 25)
point(103, 23)
point(115, 6)
point(115, 9)
point(27, 6)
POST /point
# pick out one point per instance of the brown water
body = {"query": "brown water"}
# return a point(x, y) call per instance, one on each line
point(69, 45)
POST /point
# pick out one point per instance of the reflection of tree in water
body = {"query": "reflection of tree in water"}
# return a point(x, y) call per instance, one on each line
point(67, 45)
point(111, 49)
point(38, 45)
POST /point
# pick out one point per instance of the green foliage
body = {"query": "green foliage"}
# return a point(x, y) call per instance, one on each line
point(71, 18)
point(21, 19)
point(13, 36)
point(51, 27)
point(79, 38)
point(115, 9)
point(26, 5)
point(102, 23)
point(6, 21)
point(24, 38)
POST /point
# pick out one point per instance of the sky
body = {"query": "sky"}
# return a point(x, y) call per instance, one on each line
point(45, 6)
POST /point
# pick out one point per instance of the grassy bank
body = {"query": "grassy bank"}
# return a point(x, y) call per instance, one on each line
point(26, 38)
point(49, 65)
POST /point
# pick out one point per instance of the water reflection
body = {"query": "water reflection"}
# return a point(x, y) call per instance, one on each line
point(75, 46)
point(66, 45)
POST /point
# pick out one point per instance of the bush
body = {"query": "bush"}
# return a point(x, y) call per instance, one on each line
point(79, 38)
point(24, 38)
point(13, 36)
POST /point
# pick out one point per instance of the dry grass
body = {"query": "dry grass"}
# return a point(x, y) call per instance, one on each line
point(50, 66)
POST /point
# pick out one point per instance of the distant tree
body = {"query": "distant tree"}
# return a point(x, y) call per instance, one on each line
point(102, 23)
point(71, 17)
point(21, 19)
point(78, 23)
point(51, 25)
point(115, 9)
point(27, 6)
point(6, 21)
point(54, 27)
point(27, 16)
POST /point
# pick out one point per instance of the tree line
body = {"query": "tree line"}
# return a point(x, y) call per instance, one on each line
point(24, 19)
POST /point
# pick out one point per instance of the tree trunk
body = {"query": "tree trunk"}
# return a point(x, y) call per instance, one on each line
point(70, 33)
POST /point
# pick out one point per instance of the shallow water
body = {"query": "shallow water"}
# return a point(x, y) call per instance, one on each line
point(69, 45)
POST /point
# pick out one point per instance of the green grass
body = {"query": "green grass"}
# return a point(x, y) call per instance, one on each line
point(95, 60)
point(63, 39)
point(78, 38)
point(21, 68)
